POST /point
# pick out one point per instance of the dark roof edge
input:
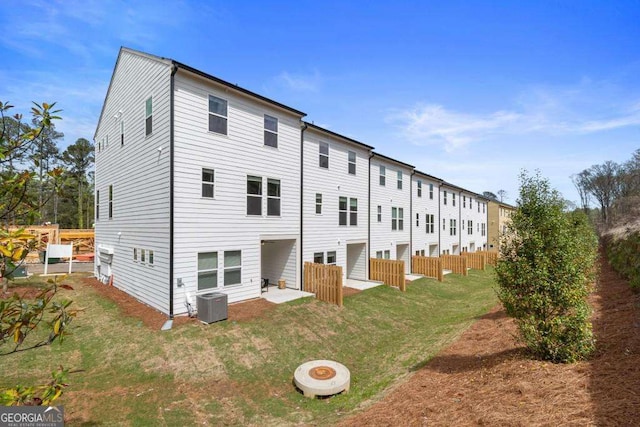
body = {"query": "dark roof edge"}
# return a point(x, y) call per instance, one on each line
point(435, 178)
point(337, 135)
point(376, 154)
point(237, 88)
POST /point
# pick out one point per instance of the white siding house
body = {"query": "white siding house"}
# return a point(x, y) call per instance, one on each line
point(449, 219)
point(336, 199)
point(425, 213)
point(204, 193)
point(473, 220)
point(390, 217)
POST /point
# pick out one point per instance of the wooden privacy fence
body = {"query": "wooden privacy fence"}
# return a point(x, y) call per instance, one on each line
point(83, 239)
point(475, 260)
point(427, 266)
point(455, 263)
point(492, 257)
point(388, 271)
point(325, 281)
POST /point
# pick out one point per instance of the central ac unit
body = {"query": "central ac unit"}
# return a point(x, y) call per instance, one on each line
point(212, 307)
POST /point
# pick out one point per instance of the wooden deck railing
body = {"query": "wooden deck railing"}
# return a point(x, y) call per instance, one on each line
point(475, 260)
point(390, 272)
point(427, 266)
point(325, 281)
point(455, 263)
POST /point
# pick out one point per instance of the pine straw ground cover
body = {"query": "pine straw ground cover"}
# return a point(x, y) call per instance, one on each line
point(486, 378)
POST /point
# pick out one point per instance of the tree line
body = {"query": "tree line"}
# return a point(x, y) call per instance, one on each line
point(614, 187)
point(39, 182)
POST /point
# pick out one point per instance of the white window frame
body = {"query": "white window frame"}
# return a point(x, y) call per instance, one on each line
point(218, 115)
point(268, 120)
point(148, 116)
point(329, 255)
point(97, 205)
point(399, 178)
point(122, 133)
point(226, 269)
point(401, 219)
point(208, 270)
point(430, 191)
point(323, 146)
point(353, 212)
point(209, 184)
point(453, 199)
point(394, 218)
point(343, 213)
point(111, 202)
point(419, 185)
point(379, 213)
point(274, 197)
point(352, 162)
point(317, 255)
point(383, 176)
point(387, 254)
point(318, 203)
point(379, 254)
point(444, 197)
point(256, 195)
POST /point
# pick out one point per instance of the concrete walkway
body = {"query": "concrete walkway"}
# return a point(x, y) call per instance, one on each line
point(60, 268)
point(278, 296)
point(362, 284)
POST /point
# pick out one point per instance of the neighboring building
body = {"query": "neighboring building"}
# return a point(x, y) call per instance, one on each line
point(498, 220)
point(336, 201)
point(426, 214)
point(204, 186)
point(390, 217)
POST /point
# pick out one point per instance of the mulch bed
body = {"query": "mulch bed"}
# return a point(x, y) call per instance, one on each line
point(487, 378)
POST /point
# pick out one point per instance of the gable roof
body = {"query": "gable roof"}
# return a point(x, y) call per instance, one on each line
point(337, 135)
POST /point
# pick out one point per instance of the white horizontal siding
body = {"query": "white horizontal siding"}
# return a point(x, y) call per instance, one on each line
point(388, 196)
point(421, 240)
point(448, 212)
point(139, 174)
point(322, 232)
point(222, 223)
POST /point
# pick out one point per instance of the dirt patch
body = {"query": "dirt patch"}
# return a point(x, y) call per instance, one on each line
point(154, 319)
point(487, 378)
point(347, 291)
point(25, 292)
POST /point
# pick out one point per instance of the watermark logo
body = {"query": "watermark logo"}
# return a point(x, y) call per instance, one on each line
point(31, 416)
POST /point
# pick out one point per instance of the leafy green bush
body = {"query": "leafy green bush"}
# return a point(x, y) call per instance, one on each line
point(624, 257)
point(545, 273)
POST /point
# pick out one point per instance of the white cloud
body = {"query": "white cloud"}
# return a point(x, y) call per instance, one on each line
point(584, 109)
point(300, 82)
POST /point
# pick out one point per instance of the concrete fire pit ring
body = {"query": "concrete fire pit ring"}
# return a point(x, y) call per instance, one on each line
point(322, 378)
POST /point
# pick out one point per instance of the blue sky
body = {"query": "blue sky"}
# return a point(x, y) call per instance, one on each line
point(471, 92)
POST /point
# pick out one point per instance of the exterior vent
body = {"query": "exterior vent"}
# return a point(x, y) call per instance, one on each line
point(212, 307)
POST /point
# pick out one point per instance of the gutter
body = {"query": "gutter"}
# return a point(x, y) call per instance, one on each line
point(303, 127)
point(174, 70)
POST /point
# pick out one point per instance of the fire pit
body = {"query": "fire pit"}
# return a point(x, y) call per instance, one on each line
point(322, 378)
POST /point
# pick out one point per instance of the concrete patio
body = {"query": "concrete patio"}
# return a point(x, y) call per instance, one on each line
point(278, 296)
point(362, 284)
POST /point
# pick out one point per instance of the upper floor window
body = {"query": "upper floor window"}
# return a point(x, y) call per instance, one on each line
point(353, 211)
point(478, 206)
point(97, 205)
point(342, 211)
point(430, 221)
point(484, 207)
point(452, 227)
point(417, 220)
point(352, 162)
point(218, 115)
point(379, 213)
point(148, 121)
point(270, 131)
point(254, 195)
point(453, 199)
point(383, 175)
point(469, 227)
point(318, 203)
point(207, 183)
point(431, 191)
point(419, 183)
point(399, 180)
point(110, 201)
point(470, 203)
point(397, 218)
point(273, 197)
point(444, 224)
point(464, 201)
point(324, 155)
point(444, 197)
point(122, 133)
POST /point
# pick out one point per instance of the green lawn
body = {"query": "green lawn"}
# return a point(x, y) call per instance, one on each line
point(232, 373)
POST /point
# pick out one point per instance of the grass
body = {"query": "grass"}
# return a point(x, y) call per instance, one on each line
point(232, 373)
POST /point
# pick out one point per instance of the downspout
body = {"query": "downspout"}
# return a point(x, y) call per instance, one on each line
point(439, 220)
point(303, 127)
point(174, 70)
point(413, 172)
point(369, 221)
point(460, 219)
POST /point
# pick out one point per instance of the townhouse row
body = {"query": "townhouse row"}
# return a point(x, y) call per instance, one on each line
point(204, 186)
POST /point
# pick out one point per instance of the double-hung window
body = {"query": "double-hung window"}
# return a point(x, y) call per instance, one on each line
point(270, 131)
point(387, 254)
point(419, 183)
point(207, 183)
point(417, 220)
point(379, 213)
point(470, 203)
point(324, 155)
point(148, 117)
point(401, 219)
point(431, 191)
point(122, 133)
point(452, 227)
point(469, 227)
point(394, 218)
point(318, 257)
point(254, 195)
point(464, 201)
point(135, 254)
point(383, 175)
point(232, 268)
point(429, 220)
point(218, 110)
point(352, 162)
point(444, 224)
point(453, 199)
point(97, 205)
point(207, 270)
point(342, 211)
point(318, 203)
point(399, 180)
point(331, 258)
point(379, 254)
point(273, 197)
point(444, 197)
point(353, 211)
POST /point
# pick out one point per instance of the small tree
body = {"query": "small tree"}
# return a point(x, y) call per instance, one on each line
point(545, 273)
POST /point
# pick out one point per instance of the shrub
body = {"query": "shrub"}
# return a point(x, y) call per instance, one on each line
point(545, 273)
point(624, 256)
